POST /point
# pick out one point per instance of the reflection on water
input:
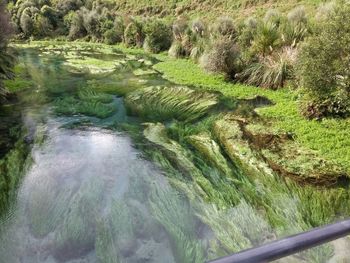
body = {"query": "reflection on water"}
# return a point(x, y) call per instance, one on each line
point(82, 187)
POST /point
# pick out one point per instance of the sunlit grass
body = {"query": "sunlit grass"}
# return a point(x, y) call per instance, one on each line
point(328, 137)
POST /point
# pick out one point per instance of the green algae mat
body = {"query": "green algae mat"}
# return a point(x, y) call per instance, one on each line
point(106, 161)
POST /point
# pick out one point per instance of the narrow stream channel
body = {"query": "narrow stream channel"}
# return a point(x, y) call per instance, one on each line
point(95, 189)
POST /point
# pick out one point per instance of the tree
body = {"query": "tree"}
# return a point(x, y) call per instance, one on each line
point(324, 67)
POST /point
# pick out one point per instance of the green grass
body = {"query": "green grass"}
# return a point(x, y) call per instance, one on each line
point(328, 137)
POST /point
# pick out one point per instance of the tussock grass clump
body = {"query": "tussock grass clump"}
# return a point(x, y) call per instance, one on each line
point(177, 50)
point(269, 72)
point(221, 57)
point(224, 27)
point(163, 103)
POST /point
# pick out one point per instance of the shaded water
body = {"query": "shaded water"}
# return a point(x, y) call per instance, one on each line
point(95, 190)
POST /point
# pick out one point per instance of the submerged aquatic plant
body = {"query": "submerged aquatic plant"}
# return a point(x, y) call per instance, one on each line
point(89, 94)
point(76, 234)
point(174, 214)
point(163, 103)
point(115, 233)
point(90, 106)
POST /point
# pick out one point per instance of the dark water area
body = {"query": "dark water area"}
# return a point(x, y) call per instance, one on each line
point(92, 188)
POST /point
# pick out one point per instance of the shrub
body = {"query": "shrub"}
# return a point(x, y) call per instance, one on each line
point(295, 28)
point(134, 34)
point(27, 24)
point(180, 27)
point(68, 20)
point(51, 14)
point(266, 38)
point(177, 50)
point(110, 37)
point(6, 60)
point(221, 57)
point(297, 15)
point(271, 71)
point(324, 11)
point(6, 28)
point(224, 27)
point(324, 65)
point(119, 28)
point(292, 34)
point(66, 6)
point(273, 16)
point(199, 28)
point(42, 26)
point(247, 32)
point(91, 22)
point(158, 36)
point(77, 29)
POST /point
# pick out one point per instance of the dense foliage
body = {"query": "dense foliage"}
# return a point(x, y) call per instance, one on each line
point(325, 68)
point(6, 59)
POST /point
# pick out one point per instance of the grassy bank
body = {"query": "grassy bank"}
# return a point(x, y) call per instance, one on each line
point(329, 137)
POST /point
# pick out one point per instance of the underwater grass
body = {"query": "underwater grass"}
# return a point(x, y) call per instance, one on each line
point(76, 234)
point(12, 168)
point(164, 103)
point(88, 94)
point(279, 203)
point(174, 214)
point(90, 107)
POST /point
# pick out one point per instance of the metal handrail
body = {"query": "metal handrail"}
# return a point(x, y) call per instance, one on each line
point(289, 245)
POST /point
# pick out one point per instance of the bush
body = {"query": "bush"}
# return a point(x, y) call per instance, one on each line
point(224, 27)
point(271, 71)
point(119, 28)
point(177, 50)
point(158, 36)
point(91, 23)
point(42, 26)
point(221, 57)
point(266, 38)
point(180, 27)
point(324, 65)
point(77, 29)
point(134, 35)
point(199, 28)
point(6, 60)
point(27, 24)
point(247, 31)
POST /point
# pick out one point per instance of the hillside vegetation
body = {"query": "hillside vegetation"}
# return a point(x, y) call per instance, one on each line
point(236, 9)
